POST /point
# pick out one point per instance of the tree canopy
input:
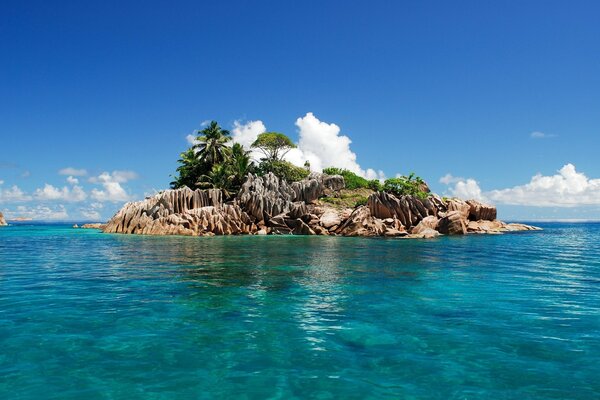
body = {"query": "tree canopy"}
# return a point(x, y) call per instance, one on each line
point(274, 145)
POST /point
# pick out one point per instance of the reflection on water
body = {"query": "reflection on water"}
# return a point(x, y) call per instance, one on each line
point(110, 316)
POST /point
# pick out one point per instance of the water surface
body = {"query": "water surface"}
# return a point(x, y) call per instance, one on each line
point(85, 315)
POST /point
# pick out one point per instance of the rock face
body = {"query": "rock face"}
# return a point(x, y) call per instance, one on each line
point(453, 223)
point(479, 211)
point(269, 205)
point(2, 220)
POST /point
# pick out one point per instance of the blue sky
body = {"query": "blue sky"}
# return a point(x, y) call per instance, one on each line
point(485, 94)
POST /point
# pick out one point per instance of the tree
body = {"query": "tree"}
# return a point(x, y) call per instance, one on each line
point(240, 163)
point(189, 170)
point(219, 177)
point(212, 144)
point(274, 145)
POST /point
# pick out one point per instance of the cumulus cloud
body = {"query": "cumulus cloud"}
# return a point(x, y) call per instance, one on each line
point(40, 212)
point(13, 194)
point(72, 171)
point(449, 178)
point(246, 134)
point(92, 211)
point(49, 192)
point(323, 146)
point(540, 135)
point(467, 189)
point(191, 139)
point(111, 186)
point(566, 188)
point(71, 180)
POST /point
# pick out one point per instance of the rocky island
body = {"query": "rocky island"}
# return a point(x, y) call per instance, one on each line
point(270, 205)
point(233, 194)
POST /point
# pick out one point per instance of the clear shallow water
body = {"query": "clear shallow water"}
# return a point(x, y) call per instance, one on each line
point(90, 316)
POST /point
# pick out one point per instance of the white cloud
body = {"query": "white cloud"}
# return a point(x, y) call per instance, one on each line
point(540, 135)
point(246, 134)
point(191, 139)
point(92, 211)
point(1, 182)
point(72, 180)
point(322, 145)
point(13, 194)
point(72, 171)
point(111, 183)
point(49, 192)
point(449, 178)
point(567, 188)
point(467, 189)
point(40, 212)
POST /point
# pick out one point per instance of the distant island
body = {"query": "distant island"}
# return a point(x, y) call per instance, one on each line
point(220, 190)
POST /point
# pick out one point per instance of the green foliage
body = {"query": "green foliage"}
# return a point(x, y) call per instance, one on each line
point(274, 145)
point(375, 185)
point(219, 177)
point(212, 163)
point(212, 144)
point(189, 170)
point(361, 201)
point(406, 185)
point(352, 180)
point(283, 170)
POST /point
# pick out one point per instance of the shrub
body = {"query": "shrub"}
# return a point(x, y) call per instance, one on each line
point(283, 170)
point(403, 186)
point(361, 201)
point(352, 180)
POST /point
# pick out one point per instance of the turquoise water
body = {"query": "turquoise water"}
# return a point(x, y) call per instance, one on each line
point(85, 315)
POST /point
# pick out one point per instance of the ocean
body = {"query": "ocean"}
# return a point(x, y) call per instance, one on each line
point(85, 315)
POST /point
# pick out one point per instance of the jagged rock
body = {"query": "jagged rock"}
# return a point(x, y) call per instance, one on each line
point(409, 210)
point(362, 223)
point(93, 226)
point(479, 211)
point(452, 224)
point(459, 205)
point(329, 219)
point(301, 228)
point(430, 222)
point(181, 212)
point(2, 220)
point(426, 233)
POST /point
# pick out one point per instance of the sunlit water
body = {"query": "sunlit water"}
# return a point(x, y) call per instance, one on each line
point(85, 315)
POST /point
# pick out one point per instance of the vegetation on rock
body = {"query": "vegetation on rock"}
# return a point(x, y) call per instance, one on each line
point(410, 185)
point(273, 145)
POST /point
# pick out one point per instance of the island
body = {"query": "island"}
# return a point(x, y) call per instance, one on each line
point(220, 190)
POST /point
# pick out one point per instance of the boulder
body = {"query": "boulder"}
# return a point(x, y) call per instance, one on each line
point(93, 226)
point(430, 222)
point(453, 223)
point(2, 220)
point(362, 223)
point(329, 219)
point(459, 205)
point(480, 211)
point(426, 233)
point(409, 210)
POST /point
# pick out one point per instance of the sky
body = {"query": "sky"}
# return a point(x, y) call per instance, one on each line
point(498, 101)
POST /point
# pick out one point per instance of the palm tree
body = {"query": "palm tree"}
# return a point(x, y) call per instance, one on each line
point(188, 171)
point(240, 163)
point(219, 177)
point(212, 144)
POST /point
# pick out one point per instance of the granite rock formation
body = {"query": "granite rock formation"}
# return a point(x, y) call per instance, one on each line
point(269, 205)
point(2, 220)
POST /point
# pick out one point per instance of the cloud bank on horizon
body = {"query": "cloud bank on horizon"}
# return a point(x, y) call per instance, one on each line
point(320, 143)
point(567, 188)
